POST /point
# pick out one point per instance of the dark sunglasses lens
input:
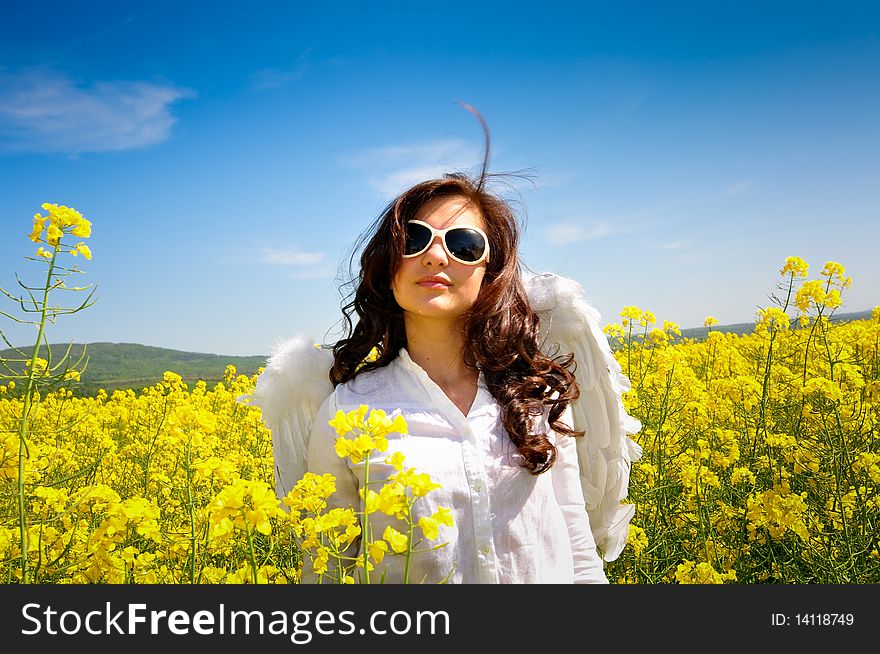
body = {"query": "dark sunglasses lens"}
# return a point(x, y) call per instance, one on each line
point(466, 244)
point(417, 238)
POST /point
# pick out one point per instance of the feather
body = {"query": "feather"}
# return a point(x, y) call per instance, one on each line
point(289, 392)
point(605, 452)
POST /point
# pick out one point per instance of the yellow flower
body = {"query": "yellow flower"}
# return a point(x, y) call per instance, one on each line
point(321, 559)
point(39, 225)
point(372, 355)
point(342, 447)
point(811, 293)
point(823, 386)
point(443, 516)
point(368, 565)
point(359, 448)
point(614, 330)
point(772, 318)
point(741, 475)
point(53, 235)
point(429, 527)
point(832, 299)
point(630, 312)
point(392, 499)
point(378, 549)
point(834, 269)
point(420, 483)
point(658, 337)
point(398, 541)
point(371, 501)
point(671, 328)
point(42, 253)
point(83, 228)
point(691, 572)
point(63, 216)
point(343, 422)
point(370, 434)
point(709, 321)
point(638, 539)
point(794, 266)
point(82, 249)
point(40, 364)
point(396, 460)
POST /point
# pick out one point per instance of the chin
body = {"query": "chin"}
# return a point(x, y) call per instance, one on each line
point(434, 311)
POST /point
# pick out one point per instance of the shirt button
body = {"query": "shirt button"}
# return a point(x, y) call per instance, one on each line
point(485, 549)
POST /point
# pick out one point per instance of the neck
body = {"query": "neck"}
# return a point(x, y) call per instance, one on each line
point(438, 348)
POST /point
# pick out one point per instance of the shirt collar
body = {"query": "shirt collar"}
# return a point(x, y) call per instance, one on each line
point(482, 402)
point(407, 363)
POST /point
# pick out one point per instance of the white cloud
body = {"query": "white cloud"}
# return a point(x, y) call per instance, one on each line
point(433, 151)
point(668, 246)
point(393, 183)
point(42, 110)
point(735, 189)
point(318, 272)
point(392, 169)
point(296, 263)
point(291, 257)
point(273, 78)
point(565, 233)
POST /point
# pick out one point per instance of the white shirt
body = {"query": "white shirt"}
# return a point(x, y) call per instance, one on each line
point(509, 526)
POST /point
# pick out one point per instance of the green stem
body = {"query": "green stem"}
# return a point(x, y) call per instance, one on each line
point(251, 556)
point(807, 345)
point(192, 521)
point(366, 535)
point(629, 338)
point(409, 537)
point(23, 425)
point(765, 392)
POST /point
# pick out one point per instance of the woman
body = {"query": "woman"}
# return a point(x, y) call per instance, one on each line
point(440, 297)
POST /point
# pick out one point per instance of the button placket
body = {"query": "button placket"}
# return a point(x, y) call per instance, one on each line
point(482, 516)
point(474, 466)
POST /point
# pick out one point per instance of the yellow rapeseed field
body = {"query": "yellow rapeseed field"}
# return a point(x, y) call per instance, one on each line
point(761, 458)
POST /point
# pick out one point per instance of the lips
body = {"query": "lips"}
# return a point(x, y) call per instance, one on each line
point(434, 282)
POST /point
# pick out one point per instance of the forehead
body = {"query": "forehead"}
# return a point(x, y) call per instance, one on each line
point(448, 211)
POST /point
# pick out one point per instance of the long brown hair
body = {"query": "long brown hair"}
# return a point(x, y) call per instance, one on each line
point(500, 331)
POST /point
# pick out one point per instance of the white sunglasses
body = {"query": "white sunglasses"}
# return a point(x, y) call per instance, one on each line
point(466, 244)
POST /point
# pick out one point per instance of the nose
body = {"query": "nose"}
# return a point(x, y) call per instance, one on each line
point(435, 254)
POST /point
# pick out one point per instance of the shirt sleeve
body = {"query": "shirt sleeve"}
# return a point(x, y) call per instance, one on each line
point(588, 565)
point(322, 459)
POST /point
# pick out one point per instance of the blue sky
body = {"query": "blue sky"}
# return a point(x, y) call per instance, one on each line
point(229, 154)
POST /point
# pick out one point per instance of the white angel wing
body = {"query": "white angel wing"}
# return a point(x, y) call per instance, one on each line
point(289, 391)
point(605, 452)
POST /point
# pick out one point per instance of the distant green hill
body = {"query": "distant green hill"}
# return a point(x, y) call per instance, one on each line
point(741, 328)
point(699, 333)
point(113, 366)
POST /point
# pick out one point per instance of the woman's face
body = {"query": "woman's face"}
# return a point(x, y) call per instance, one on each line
point(455, 286)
